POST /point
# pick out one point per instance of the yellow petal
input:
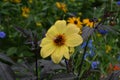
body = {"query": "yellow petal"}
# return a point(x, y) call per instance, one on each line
point(52, 32)
point(91, 25)
point(73, 40)
point(71, 29)
point(66, 52)
point(47, 50)
point(59, 53)
point(85, 21)
point(71, 50)
point(60, 26)
point(58, 4)
point(45, 41)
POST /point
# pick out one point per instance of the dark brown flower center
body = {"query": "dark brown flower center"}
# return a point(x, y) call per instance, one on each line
point(59, 40)
point(75, 22)
point(93, 20)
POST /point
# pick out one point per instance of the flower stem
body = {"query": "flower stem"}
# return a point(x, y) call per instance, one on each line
point(82, 60)
point(36, 66)
point(69, 66)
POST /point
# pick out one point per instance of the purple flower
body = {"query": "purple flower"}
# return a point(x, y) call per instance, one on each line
point(95, 64)
point(2, 34)
point(118, 3)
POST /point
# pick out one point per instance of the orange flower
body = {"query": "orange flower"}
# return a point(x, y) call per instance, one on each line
point(116, 68)
point(112, 68)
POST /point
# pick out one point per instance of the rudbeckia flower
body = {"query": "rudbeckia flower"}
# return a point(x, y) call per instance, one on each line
point(38, 24)
point(88, 23)
point(25, 11)
point(61, 6)
point(75, 21)
point(59, 38)
point(108, 48)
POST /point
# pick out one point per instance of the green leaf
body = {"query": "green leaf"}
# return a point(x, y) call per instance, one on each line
point(11, 51)
point(27, 53)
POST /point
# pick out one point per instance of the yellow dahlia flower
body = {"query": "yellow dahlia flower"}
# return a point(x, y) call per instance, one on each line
point(59, 38)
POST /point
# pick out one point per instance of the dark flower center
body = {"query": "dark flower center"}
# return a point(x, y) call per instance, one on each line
point(59, 40)
point(93, 20)
point(75, 22)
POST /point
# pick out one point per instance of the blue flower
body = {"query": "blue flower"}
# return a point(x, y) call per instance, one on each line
point(2, 34)
point(118, 3)
point(94, 64)
point(85, 43)
point(92, 53)
point(85, 56)
point(103, 31)
point(90, 44)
